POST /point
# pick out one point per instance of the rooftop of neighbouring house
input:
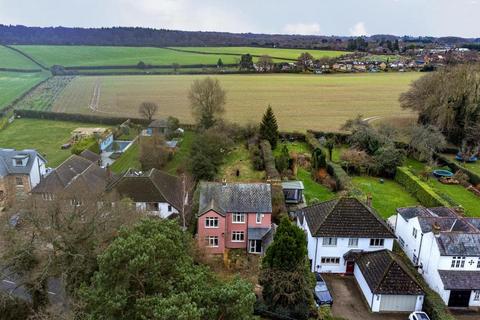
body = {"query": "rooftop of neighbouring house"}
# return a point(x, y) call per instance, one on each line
point(235, 197)
point(455, 234)
point(295, 185)
point(385, 273)
point(158, 123)
point(344, 217)
point(10, 165)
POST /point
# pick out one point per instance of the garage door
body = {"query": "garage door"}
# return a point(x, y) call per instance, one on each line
point(397, 303)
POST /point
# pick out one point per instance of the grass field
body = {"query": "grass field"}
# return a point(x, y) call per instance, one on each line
point(101, 56)
point(12, 59)
point(300, 102)
point(14, 84)
point(46, 136)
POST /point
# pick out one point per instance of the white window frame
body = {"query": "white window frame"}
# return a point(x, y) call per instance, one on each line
point(414, 233)
point(211, 222)
point(19, 181)
point(258, 218)
point(329, 242)
point(76, 202)
point(238, 236)
point(254, 246)
point(330, 261)
point(238, 217)
point(476, 295)
point(458, 262)
point(353, 242)
point(212, 241)
point(47, 196)
point(377, 242)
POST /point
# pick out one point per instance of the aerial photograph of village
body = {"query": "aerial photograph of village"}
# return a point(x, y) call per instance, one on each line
point(239, 160)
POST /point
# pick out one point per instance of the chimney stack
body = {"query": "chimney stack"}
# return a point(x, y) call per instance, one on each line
point(436, 229)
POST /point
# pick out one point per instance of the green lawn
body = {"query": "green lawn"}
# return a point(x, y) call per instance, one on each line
point(297, 147)
point(12, 59)
point(182, 155)
point(14, 84)
point(239, 159)
point(387, 196)
point(313, 190)
point(129, 159)
point(45, 136)
point(474, 166)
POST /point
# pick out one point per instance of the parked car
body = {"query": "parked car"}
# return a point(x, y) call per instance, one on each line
point(321, 294)
point(418, 315)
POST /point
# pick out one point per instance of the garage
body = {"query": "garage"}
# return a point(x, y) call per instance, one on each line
point(398, 303)
point(386, 283)
point(459, 298)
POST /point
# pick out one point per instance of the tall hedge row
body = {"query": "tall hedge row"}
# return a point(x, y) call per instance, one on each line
point(269, 160)
point(422, 191)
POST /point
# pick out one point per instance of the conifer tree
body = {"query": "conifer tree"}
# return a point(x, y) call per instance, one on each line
point(269, 127)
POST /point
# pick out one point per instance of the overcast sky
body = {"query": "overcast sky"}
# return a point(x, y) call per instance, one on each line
point(319, 17)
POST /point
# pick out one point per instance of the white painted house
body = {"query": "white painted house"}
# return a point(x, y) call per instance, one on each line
point(445, 247)
point(338, 229)
point(154, 192)
point(386, 283)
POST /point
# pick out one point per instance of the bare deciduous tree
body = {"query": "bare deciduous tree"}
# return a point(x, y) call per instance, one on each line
point(148, 110)
point(207, 99)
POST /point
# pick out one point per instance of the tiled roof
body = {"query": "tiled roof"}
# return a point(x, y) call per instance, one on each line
point(296, 185)
point(73, 172)
point(460, 280)
point(345, 217)
point(386, 274)
point(419, 211)
point(235, 197)
point(92, 156)
point(6, 161)
point(257, 233)
point(159, 123)
point(459, 244)
point(154, 186)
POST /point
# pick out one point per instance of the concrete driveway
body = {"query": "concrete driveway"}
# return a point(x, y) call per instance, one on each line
point(348, 301)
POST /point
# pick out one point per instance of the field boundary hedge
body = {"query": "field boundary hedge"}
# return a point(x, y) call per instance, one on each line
point(86, 118)
point(422, 191)
point(20, 70)
point(228, 54)
point(26, 56)
point(147, 67)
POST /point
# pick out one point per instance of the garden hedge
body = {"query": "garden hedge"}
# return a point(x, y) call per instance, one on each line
point(90, 144)
point(422, 191)
point(455, 166)
point(269, 160)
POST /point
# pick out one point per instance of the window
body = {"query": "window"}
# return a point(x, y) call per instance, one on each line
point(376, 242)
point(401, 241)
point(211, 222)
point(259, 217)
point(18, 162)
point(415, 259)
point(238, 236)
point(414, 233)
point(330, 241)
point(169, 208)
point(330, 260)
point(478, 263)
point(255, 246)
point(212, 241)
point(476, 295)
point(19, 181)
point(353, 242)
point(458, 262)
point(238, 218)
point(47, 196)
point(76, 203)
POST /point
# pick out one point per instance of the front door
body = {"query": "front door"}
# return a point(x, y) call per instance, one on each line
point(459, 298)
point(350, 267)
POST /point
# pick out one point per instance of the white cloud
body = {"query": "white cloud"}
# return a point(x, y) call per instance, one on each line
point(358, 29)
point(302, 28)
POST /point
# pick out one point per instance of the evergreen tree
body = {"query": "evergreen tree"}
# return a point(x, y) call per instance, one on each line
point(269, 127)
point(246, 62)
point(286, 279)
point(220, 63)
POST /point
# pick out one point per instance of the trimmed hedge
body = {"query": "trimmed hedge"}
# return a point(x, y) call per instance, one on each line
point(269, 160)
point(422, 191)
point(86, 144)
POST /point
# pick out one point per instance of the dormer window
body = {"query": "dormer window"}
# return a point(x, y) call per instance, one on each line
point(20, 160)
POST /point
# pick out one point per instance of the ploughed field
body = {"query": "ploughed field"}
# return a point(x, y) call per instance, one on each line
point(69, 56)
point(300, 102)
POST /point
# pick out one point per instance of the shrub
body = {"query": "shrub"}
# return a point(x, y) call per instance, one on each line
point(256, 157)
point(341, 177)
point(422, 191)
point(269, 160)
point(86, 144)
point(12, 308)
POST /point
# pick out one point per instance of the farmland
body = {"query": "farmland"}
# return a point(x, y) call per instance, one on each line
point(12, 59)
point(300, 102)
point(14, 84)
point(108, 56)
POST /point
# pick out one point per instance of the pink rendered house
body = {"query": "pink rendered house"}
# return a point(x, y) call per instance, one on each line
point(235, 216)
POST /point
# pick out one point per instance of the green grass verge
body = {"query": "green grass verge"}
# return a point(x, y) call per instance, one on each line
point(239, 159)
point(297, 147)
point(45, 136)
point(129, 159)
point(13, 84)
point(387, 196)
